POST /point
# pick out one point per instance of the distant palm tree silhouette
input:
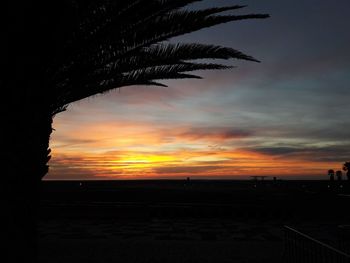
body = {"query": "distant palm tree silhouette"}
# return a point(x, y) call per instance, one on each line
point(346, 168)
point(62, 51)
point(339, 175)
point(331, 174)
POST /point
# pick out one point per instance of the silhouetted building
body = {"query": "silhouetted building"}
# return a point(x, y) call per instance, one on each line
point(188, 182)
point(274, 180)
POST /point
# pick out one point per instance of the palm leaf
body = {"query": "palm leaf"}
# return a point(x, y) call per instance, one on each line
point(121, 43)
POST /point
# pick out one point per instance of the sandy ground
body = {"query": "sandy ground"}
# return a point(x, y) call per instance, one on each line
point(159, 240)
point(171, 222)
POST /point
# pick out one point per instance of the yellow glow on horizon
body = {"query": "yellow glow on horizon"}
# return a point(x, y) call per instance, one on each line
point(137, 151)
point(145, 159)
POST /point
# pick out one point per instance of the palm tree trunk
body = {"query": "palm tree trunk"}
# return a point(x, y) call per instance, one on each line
point(26, 121)
point(24, 156)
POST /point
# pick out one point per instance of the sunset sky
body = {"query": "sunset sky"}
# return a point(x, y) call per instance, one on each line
point(287, 116)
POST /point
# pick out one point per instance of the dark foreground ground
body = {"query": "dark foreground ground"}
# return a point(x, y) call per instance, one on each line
point(178, 221)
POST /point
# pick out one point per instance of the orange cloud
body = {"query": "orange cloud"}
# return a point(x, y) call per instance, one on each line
point(178, 163)
point(128, 149)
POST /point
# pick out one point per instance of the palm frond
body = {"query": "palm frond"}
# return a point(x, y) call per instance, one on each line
point(121, 43)
point(108, 79)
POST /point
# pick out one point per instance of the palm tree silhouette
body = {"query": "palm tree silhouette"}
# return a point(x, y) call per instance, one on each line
point(339, 175)
point(100, 46)
point(331, 174)
point(59, 52)
point(346, 168)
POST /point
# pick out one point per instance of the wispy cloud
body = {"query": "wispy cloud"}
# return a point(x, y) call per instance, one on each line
point(285, 116)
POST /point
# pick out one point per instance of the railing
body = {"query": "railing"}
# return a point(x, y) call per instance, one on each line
point(344, 238)
point(301, 248)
